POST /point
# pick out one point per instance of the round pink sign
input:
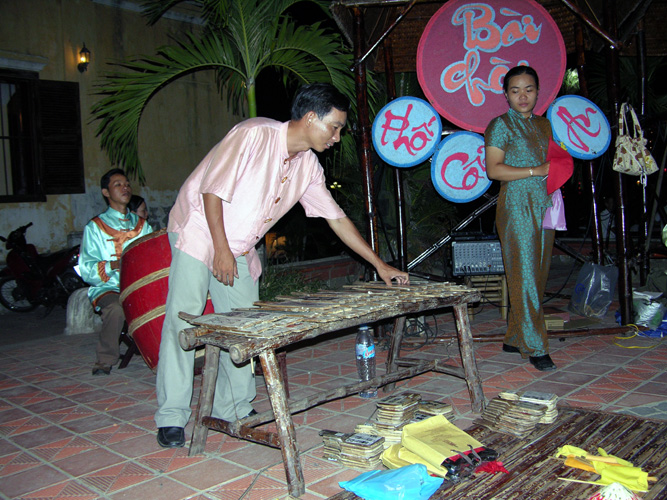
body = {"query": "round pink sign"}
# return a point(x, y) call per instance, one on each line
point(467, 48)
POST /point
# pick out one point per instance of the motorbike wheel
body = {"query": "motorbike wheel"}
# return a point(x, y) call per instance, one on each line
point(12, 298)
point(72, 281)
point(59, 291)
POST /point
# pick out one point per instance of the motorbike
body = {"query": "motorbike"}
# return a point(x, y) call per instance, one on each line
point(30, 280)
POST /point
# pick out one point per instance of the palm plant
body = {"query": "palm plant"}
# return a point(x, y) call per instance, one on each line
point(656, 99)
point(240, 39)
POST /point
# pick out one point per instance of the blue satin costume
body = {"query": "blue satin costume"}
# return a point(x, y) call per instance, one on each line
point(525, 244)
point(104, 239)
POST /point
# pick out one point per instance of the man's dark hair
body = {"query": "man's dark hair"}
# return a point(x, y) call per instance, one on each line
point(520, 70)
point(320, 98)
point(104, 182)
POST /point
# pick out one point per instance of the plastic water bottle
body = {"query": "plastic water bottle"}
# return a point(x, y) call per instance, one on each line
point(365, 352)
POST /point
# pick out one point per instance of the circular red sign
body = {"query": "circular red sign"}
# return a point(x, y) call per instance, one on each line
point(467, 48)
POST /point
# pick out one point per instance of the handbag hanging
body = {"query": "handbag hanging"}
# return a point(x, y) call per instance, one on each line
point(632, 156)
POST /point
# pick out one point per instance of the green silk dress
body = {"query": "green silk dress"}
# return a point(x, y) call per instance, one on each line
point(526, 246)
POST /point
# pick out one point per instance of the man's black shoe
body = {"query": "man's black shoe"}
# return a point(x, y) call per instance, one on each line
point(251, 414)
point(542, 363)
point(510, 348)
point(171, 437)
point(99, 369)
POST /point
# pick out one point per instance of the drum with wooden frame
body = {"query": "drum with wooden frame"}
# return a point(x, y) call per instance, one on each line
point(144, 283)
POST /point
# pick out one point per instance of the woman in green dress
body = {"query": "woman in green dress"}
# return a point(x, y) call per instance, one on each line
point(516, 145)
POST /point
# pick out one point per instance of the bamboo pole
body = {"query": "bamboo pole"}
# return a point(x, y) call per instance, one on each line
point(609, 35)
point(401, 220)
point(364, 133)
point(613, 87)
point(589, 173)
point(645, 236)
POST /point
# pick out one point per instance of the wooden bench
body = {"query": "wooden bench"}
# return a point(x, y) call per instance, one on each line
point(243, 347)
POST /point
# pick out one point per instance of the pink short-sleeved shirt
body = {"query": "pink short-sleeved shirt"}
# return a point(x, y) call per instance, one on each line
point(250, 172)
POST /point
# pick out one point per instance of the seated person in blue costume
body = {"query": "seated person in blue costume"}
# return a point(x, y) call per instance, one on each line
point(104, 239)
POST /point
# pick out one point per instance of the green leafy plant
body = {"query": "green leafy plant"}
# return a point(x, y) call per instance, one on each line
point(276, 282)
point(239, 40)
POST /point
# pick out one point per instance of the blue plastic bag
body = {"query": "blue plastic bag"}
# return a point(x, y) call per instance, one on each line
point(411, 482)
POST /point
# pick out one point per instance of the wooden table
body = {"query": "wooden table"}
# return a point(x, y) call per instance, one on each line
point(356, 305)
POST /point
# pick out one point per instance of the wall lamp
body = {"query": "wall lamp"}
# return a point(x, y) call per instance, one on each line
point(84, 58)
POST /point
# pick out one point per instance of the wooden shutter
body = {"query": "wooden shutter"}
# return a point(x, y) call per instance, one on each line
point(60, 137)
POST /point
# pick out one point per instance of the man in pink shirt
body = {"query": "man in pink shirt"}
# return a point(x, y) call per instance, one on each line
point(250, 179)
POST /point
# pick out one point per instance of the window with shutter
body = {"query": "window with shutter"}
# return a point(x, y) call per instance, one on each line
point(60, 144)
point(40, 137)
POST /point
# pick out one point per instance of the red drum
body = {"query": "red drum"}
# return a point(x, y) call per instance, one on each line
point(144, 282)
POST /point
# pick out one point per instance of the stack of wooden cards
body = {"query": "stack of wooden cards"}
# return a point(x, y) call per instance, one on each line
point(391, 435)
point(362, 451)
point(397, 410)
point(491, 414)
point(332, 443)
point(426, 409)
point(367, 428)
point(549, 400)
point(521, 418)
point(394, 412)
point(515, 414)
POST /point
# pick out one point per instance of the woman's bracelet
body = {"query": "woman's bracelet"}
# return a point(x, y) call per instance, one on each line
point(530, 170)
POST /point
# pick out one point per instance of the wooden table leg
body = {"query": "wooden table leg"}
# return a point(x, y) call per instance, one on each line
point(282, 365)
point(286, 435)
point(394, 349)
point(205, 403)
point(473, 379)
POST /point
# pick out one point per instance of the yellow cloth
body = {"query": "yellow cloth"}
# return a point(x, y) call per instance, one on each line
point(413, 458)
point(620, 461)
point(622, 471)
point(397, 456)
point(568, 450)
point(625, 473)
point(436, 439)
point(390, 458)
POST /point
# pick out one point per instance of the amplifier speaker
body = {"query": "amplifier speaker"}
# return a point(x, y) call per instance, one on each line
point(470, 258)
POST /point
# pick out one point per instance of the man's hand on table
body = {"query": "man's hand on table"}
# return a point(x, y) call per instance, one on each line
point(388, 273)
